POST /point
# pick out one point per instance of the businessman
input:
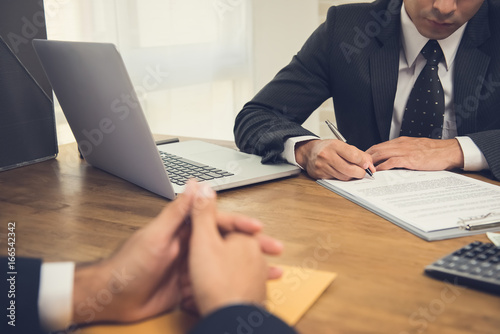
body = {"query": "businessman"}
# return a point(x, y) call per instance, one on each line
point(190, 255)
point(415, 84)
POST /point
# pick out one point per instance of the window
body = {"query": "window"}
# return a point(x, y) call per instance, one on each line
point(189, 61)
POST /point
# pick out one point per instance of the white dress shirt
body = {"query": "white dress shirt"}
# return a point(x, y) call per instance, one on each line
point(411, 63)
point(55, 295)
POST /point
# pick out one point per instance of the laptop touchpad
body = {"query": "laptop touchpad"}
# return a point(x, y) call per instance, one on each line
point(218, 156)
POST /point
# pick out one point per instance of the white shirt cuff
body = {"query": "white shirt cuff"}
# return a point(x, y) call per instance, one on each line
point(289, 152)
point(474, 159)
point(55, 295)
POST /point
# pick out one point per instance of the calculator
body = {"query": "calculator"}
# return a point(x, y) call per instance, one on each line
point(476, 266)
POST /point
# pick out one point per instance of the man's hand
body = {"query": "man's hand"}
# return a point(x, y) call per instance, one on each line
point(332, 158)
point(139, 280)
point(232, 222)
point(417, 154)
point(223, 270)
point(145, 276)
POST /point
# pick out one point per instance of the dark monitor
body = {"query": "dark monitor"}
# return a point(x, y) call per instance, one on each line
point(27, 120)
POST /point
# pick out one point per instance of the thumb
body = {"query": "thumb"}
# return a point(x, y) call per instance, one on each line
point(168, 222)
point(172, 216)
point(203, 215)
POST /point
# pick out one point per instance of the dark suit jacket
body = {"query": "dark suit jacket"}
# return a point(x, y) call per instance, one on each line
point(23, 291)
point(232, 319)
point(354, 57)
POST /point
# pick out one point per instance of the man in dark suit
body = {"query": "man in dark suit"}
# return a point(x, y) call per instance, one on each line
point(367, 58)
point(163, 265)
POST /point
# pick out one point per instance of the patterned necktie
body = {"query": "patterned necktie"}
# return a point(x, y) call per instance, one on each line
point(424, 113)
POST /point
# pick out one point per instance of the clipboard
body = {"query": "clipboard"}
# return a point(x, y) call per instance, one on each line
point(462, 225)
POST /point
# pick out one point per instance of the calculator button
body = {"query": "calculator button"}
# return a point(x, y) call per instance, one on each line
point(482, 257)
point(489, 273)
point(451, 265)
point(483, 247)
point(466, 248)
point(470, 254)
point(440, 263)
point(491, 252)
point(476, 271)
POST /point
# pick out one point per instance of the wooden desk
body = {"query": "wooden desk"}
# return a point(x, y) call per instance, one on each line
point(67, 210)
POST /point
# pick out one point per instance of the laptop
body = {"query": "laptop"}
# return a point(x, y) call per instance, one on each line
point(97, 97)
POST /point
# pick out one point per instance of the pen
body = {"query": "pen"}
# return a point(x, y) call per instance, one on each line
point(339, 136)
point(167, 141)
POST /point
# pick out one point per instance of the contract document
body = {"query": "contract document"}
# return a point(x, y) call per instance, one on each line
point(433, 205)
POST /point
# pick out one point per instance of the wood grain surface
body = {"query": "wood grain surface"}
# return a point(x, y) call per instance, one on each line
point(65, 209)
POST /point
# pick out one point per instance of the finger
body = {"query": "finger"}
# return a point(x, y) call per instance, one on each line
point(324, 166)
point(345, 171)
point(203, 217)
point(172, 216)
point(372, 168)
point(230, 222)
point(325, 171)
point(369, 165)
point(381, 154)
point(383, 166)
point(375, 148)
point(391, 148)
point(391, 154)
point(341, 161)
point(274, 272)
point(269, 245)
point(356, 158)
point(394, 163)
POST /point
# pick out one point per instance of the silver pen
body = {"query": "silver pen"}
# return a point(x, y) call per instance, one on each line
point(339, 136)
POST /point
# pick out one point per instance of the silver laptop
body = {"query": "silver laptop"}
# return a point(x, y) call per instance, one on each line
point(97, 97)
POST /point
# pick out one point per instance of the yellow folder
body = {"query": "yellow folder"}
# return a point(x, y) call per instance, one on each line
point(288, 298)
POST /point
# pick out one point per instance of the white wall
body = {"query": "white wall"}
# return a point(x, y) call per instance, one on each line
point(280, 28)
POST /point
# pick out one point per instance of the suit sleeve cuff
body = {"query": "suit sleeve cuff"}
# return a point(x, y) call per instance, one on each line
point(474, 159)
point(289, 152)
point(56, 295)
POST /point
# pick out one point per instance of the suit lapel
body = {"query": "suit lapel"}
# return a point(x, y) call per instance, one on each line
point(384, 67)
point(470, 69)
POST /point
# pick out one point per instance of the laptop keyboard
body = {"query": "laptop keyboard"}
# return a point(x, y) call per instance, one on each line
point(180, 170)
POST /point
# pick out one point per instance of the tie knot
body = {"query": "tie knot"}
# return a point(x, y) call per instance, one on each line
point(432, 52)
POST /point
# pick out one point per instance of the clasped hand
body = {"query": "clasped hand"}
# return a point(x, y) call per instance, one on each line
point(191, 255)
point(417, 154)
